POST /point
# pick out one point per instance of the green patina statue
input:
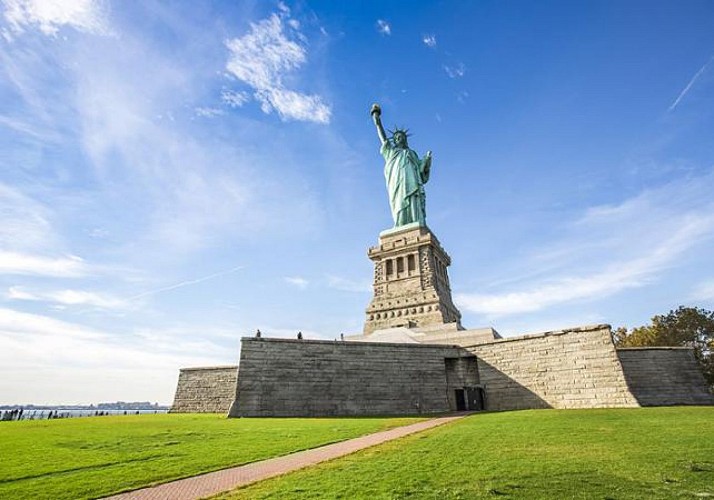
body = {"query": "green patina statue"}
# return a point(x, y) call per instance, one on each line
point(405, 174)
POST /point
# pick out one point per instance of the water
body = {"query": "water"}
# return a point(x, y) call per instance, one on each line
point(33, 414)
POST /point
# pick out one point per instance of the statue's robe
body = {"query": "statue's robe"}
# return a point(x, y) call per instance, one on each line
point(405, 175)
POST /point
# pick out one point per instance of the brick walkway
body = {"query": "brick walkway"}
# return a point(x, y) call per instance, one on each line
point(205, 485)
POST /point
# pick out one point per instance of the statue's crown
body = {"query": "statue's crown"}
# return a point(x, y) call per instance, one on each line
point(398, 130)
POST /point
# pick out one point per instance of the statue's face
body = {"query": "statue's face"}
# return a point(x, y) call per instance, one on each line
point(400, 140)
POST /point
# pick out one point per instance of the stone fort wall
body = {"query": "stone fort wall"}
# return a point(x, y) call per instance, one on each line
point(281, 377)
point(205, 390)
point(663, 376)
point(575, 368)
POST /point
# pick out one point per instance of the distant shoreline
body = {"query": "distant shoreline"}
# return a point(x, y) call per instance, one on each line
point(91, 407)
point(61, 412)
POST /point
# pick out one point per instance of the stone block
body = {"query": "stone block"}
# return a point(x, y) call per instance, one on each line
point(205, 390)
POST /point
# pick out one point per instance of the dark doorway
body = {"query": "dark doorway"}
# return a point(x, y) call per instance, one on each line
point(475, 398)
point(460, 399)
point(481, 398)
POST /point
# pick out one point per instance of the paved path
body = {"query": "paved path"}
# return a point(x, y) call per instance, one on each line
point(205, 485)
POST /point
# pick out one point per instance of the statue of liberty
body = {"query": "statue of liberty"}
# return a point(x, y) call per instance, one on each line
point(404, 173)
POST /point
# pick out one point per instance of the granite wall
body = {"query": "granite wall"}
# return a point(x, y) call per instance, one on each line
point(205, 390)
point(575, 368)
point(279, 377)
point(663, 376)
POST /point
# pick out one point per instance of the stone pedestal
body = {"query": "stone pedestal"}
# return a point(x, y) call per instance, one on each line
point(411, 283)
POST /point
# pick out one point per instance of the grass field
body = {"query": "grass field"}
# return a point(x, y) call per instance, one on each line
point(648, 453)
point(95, 456)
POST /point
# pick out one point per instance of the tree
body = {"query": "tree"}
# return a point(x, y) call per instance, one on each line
point(684, 326)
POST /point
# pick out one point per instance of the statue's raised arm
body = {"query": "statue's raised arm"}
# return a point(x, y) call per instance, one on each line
point(376, 113)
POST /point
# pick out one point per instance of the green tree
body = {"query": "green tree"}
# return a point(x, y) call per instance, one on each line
point(684, 326)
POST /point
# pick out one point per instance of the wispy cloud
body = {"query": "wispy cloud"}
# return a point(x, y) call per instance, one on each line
point(614, 278)
point(49, 16)
point(612, 248)
point(689, 85)
point(64, 267)
point(205, 112)
point(283, 8)
point(233, 98)
point(25, 223)
point(384, 27)
point(68, 298)
point(348, 285)
point(456, 71)
point(297, 281)
point(429, 40)
point(19, 323)
point(33, 130)
point(55, 360)
point(262, 57)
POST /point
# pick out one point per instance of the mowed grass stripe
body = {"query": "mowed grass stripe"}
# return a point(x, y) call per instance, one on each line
point(653, 453)
point(98, 456)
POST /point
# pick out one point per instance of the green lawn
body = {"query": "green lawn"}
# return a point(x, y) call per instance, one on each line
point(95, 456)
point(648, 453)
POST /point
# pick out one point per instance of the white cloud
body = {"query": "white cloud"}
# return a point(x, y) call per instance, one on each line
point(297, 281)
point(15, 293)
point(234, 99)
point(294, 105)
point(65, 267)
point(383, 27)
point(68, 298)
point(89, 16)
point(208, 112)
point(24, 223)
point(429, 40)
point(348, 285)
point(262, 57)
point(613, 279)
point(283, 8)
point(456, 71)
point(611, 249)
point(20, 323)
point(64, 362)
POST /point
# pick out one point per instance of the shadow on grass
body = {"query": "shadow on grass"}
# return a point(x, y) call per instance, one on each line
point(70, 470)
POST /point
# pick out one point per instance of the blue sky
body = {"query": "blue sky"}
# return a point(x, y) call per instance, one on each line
point(174, 175)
